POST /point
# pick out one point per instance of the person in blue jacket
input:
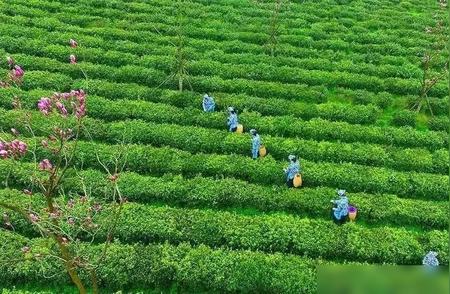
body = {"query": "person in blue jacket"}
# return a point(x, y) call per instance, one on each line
point(232, 119)
point(292, 170)
point(256, 143)
point(340, 209)
point(208, 103)
point(430, 259)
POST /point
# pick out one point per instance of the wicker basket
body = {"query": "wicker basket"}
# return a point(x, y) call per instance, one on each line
point(262, 151)
point(298, 180)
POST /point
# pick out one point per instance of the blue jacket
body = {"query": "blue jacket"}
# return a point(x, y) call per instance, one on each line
point(341, 209)
point(292, 170)
point(209, 104)
point(232, 121)
point(430, 259)
point(256, 143)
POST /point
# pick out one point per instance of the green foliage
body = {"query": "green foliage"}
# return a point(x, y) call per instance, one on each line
point(405, 118)
point(194, 269)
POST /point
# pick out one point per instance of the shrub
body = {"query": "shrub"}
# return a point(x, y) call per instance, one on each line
point(404, 118)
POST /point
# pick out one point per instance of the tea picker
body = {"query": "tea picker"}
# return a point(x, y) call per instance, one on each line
point(341, 207)
point(208, 103)
point(430, 259)
point(256, 145)
point(232, 120)
point(293, 177)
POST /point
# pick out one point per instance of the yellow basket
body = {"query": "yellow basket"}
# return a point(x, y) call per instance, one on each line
point(240, 129)
point(262, 151)
point(298, 180)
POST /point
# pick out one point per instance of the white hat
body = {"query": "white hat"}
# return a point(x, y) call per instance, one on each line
point(205, 96)
point(230, 108)
point(252, 131)
point(292, 157)
point(341, 193)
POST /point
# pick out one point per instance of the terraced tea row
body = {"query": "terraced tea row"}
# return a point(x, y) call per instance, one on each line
point(198, 140)
point(267, 233)
point(226, 194)
point(323, 130)
point(197, 268)
point(355, 178)
point(317, 77)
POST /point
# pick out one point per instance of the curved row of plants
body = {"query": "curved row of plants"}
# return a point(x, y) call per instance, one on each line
point(268, 233)
point(134, 52)
point(354, 178)
point(315, 129)
point(192, 268)
point(180, 133)
point(198, 192)
point(206, 28)
point(289, 77)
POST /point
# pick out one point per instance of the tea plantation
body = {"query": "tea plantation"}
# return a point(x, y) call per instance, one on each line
point(331, 81)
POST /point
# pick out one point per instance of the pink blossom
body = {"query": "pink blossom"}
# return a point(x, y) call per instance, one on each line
point(22, 148)
point(73, 59)
point(33, 217)
point(3, 154)
point(18, 72)
point(73, 43)
point(64, 240)
point(62, 109)
point(45, 105)
point(45, 165)
point(15, 148)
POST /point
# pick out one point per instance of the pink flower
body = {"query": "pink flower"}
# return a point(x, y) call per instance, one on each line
point(16, 148)
point(45, 165)
point(33, 217)
point(73, 43)
point(73, 59)
point(45, 105)
point(3, 154)
point(18, 72)
point(64, 240)
point(10, 61)
point(62, 109)
point(22, 148)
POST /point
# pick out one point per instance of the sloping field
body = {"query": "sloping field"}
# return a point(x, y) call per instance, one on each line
point(202, 215)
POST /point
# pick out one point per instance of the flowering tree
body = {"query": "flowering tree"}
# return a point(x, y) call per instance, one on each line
point(433, 69)
point(65, 218)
